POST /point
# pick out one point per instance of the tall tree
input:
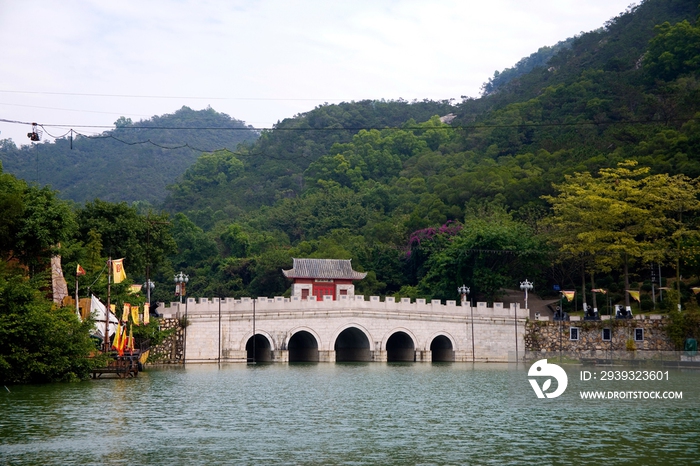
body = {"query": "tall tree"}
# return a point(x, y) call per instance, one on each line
point(34, 221)
point(619, 216)
point(143, 240)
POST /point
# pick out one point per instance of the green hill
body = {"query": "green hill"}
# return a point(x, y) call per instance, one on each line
point(421, 202)
point(388, 183)
point(133, 162)
point(225, 184)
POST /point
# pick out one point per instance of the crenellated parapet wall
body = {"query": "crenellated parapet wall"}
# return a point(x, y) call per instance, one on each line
point(204, 306)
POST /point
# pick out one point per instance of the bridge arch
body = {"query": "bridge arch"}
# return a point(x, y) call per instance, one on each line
point(258, 347)
point(303, 344)
point(432, 337)
point(400, 345)
point(352, 343)
point(442, 347)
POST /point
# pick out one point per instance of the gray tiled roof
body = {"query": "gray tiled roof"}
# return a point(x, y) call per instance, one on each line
point(323, 268)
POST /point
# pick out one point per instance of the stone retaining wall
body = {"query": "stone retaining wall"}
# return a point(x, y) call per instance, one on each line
point(547, 336)
point(171, 351)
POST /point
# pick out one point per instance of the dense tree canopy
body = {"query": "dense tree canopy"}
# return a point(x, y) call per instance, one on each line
point(579, 157)
point(133, 162)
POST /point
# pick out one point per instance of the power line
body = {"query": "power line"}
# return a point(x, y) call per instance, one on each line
point(367, 128)
point(72, 131)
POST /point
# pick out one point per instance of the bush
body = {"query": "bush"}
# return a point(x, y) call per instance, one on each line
point(683, 325)
point(38, 343)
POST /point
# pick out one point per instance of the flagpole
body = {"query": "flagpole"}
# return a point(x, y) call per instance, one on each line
point(109, 295)
point(77, 308)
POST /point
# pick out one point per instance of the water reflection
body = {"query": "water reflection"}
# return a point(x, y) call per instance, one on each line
point(345, 413)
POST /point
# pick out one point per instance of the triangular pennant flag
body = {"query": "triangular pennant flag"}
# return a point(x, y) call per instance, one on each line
point(634, 295)
point(79, 271)
point(599, 290)
point(569, 295)
point(125, 312)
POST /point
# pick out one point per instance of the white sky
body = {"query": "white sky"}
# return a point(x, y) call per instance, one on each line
point(259, 61)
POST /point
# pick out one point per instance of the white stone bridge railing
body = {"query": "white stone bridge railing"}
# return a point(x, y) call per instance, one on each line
point(208, 306)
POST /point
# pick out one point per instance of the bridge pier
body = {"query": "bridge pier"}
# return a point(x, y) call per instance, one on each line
point(326, 356)
point(379, 356)
point(424, 356)
point(280, 356)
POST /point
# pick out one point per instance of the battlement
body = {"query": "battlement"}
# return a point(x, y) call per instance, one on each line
point(279, 304)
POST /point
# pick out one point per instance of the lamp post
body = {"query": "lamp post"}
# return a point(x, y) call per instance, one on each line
point(149, 285)
point(526, 286)
point(180, 280)
point(464, 291)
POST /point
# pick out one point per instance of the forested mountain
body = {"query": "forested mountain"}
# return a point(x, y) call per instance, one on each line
point(588, 163)
point(581, 172)
point(225, 184)
point(133, 162)
point(524, 66)
point(397, 193)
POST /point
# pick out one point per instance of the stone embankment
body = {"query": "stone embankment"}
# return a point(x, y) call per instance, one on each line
point(171, 351)
point(589, 337)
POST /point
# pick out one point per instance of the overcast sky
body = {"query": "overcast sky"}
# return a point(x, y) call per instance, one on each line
point(82, 62)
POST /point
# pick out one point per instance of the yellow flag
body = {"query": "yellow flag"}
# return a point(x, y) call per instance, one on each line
point(131, 338)
point(116, 344)
point(569, 295)
point(122, 340)
point(135, 315)
point(634, 295)
point(695, 289)
point(118, 270)
point(146, 313)
point(126, 311)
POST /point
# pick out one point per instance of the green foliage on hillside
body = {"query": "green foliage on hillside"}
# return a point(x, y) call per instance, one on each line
point(424, 205)
point(273, 168)
point(524, 66)
point(360, 180)
point(133, 162)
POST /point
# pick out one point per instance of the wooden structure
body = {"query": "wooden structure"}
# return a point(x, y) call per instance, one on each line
point(123, 367)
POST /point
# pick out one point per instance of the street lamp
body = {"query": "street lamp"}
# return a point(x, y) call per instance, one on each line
point(148, 286)
point(180, 280)
point(526, 286)
point(464, 291)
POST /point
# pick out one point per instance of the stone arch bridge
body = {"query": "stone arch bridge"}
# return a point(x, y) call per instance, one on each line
point(349, 329)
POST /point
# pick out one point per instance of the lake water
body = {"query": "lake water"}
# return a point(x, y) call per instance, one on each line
point(355, 414)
